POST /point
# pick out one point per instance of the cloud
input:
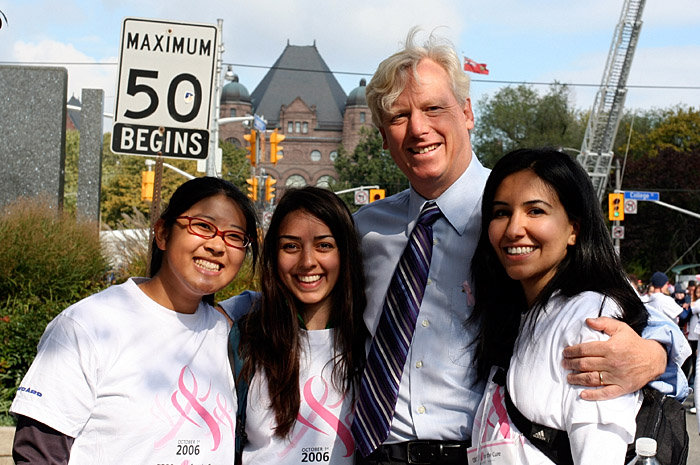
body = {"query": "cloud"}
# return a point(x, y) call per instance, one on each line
point(92, 74)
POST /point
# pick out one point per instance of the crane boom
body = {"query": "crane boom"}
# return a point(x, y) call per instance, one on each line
point(597, 148)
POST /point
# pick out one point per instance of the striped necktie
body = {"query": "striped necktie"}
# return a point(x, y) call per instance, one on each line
point(379, 387)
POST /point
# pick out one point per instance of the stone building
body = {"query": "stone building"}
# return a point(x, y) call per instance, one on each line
point(300, 97)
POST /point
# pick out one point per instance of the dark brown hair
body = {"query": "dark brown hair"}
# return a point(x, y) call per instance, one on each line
point(270, 336)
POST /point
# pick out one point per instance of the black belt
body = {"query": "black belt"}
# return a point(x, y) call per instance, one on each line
point(422, 452)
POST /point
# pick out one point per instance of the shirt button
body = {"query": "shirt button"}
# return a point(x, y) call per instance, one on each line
point(429, 282)
point(425, 323)
point(434, 241)
point(419, 364)
point(421, 410)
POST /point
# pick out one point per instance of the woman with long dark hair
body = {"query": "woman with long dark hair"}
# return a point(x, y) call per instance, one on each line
point(302, 342)
point(545, 263)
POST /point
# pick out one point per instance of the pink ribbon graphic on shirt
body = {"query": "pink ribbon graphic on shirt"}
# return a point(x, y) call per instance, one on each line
point(498, 407)
point(194, 403)
point(320, 409)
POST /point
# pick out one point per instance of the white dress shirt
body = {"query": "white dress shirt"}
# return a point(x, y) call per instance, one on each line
point(439, 392)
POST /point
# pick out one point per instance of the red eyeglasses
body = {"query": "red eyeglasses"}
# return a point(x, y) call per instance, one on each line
point(206, 230)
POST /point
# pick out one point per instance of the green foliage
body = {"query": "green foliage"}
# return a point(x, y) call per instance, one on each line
point(121, 179)
point(245, 280)
point(518, 117)
point(656, 237)
point(234, 164)
point(70, 187)
point(48, 261)
point(121, 183)
point(653, 131)
point(368, 164)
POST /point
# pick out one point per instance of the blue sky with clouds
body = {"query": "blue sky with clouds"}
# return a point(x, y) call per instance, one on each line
point(520, 40)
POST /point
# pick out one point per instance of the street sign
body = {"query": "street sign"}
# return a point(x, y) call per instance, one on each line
point(164, 98)
point(618, 232)
point(361, 197)
point(630, 207)
point(259, 124)
point(641, 195)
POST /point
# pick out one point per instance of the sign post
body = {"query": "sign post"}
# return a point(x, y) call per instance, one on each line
point(164, 95)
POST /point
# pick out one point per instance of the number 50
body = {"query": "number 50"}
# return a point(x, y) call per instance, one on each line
point(133, 89)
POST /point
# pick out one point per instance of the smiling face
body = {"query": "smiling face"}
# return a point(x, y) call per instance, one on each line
point(308, 261)
point(193, 266)
point(427, 131)
point(529, 230)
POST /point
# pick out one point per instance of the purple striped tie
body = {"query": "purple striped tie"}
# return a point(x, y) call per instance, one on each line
point(379, 387)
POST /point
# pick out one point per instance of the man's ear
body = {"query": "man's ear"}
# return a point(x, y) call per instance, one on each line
point(161, 234)
point(468, 114)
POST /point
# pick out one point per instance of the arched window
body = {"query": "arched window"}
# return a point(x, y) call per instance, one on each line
point(295, 180)
point(325, 181)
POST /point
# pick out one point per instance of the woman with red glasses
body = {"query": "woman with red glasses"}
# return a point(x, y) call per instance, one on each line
point(139, 373)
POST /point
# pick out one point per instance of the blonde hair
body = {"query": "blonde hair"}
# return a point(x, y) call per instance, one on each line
point(391, 76)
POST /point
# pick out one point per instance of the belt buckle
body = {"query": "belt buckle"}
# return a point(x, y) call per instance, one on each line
point(417, 444)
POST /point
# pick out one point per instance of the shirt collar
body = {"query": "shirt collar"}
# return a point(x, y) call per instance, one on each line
point(459, 201)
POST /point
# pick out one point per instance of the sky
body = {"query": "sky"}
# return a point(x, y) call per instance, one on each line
point(521, 41)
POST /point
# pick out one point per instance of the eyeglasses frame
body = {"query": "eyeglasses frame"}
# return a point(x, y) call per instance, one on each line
point(217, 232)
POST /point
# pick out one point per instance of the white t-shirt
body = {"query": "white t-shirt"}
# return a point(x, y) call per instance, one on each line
point(598, 431)
point(134, 382)
point(694, 323)
point(322, 433)
point(666, 304)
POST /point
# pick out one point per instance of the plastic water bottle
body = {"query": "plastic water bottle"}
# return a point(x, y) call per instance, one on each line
point(646, 452)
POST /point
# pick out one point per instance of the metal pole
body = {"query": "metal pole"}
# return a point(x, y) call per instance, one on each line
point(211, 168)
point(618, 186)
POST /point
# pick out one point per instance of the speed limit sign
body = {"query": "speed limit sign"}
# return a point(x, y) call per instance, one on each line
point(164, 94)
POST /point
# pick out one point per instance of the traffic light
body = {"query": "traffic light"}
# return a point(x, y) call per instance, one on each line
point(252, 150)
point(269, 188)
point(376, 194)
point(276, 138)
point(148, 178)
point(616, 207)
point(252, 188)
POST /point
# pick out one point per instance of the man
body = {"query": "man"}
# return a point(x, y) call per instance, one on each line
point(419, 98)
point(659, 298)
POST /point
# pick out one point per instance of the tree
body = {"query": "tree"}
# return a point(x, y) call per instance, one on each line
point(70, 186)
point(121, 183)
point(656, 236)
point(653, 131)
point(234, 164)
point(369, 164)
point(518, 117)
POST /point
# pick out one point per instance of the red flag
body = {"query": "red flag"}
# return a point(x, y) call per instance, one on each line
point(474, 67)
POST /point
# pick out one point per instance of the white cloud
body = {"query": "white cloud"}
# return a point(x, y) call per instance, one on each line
point(91, 75)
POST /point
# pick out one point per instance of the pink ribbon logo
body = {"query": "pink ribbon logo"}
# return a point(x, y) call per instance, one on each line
point(321, 409)
point(498, 415)
point(194, 403)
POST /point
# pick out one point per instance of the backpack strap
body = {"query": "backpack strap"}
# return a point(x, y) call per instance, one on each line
point(551, 442)
point(234, 340)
